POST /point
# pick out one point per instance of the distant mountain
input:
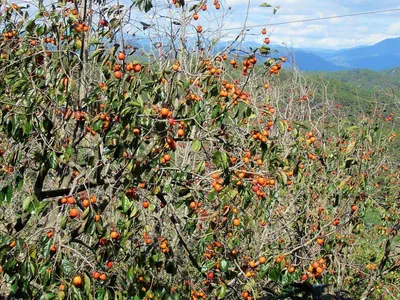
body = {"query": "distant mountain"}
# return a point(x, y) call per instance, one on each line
point(310, 62)
point(381, 56)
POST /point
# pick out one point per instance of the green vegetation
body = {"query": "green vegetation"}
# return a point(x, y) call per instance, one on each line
point(184, 174)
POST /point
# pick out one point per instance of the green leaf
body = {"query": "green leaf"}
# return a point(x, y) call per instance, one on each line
point(281, 126)
point(30, 26)
point(53, 160)
point(276, 9)
point(145, 25)
point(125, 204)
point(26, 203)
point(97, 52)
point(221, 293)
point(86, 284)
point(274, 274)
point(264, 50)
point(224, 265)
point(350, 147)
point(265, 5)
point(67, 267)
point(9, 193)
point(220, 159)
point(98, 125)
point(196, 145)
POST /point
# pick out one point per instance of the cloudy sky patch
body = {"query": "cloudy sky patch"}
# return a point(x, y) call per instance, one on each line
point(329, 34)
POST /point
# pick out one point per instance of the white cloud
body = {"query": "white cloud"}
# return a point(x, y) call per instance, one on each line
point(394, 28)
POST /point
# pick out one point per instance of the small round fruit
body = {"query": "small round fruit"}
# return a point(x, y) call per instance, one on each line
point(118, 74)
point(73, 213)
point(164, 112)
point(236, 222)
point(103, 277)
point(96, 275)
point(77, 281)
point(121, 55)
point(262, 260)
point(114, 235)
point(71, 200)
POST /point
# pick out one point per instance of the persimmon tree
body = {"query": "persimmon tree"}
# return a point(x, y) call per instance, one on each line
point(181, 169)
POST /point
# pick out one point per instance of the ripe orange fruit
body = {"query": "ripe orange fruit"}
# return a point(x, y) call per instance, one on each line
point(85, 203)
point(121, 55)
point(164, 112)
point(236, 222)
point(129, 67)
point(110, 264)
point(354, 207)
point(262, 260)
point(97, 218)
point(136, 131)
point(93, 199)
point(73, 212)
point(96, 275)
point(71, 200)
point(291, 269)
point(64, 200)
point(181, 132)
point(267, 41)
point(50, 234)
point(114, 235)
point(77, 281)
point(12, 244)
point(199, 28)
point(264, 31)
point(137, 68)
point(145, 204)
point(283, 59)
point(103, 277)
point(320, 241)
point(196, 17)
point(118, 74)
point(167, 157)
point(53, 248)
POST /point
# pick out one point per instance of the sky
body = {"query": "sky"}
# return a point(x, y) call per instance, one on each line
point(325, 34)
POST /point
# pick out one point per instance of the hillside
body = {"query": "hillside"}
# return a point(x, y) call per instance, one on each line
point(354, 86)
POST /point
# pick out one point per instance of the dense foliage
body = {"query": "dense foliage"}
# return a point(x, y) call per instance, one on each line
point(176, 176)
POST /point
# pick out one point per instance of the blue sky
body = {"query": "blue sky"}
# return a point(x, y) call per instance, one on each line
point(325, 34)
point(328, 34)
